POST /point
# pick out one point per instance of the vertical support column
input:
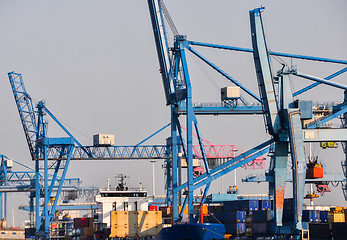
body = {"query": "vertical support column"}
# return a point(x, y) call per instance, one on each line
point(45, 206)
point(280, 176)
point(174, 162)
point(189, 122)
point(296, 138)
point(37, 195)
point(344, 163)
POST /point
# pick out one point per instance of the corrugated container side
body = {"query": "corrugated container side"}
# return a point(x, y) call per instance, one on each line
point(259, 228)
point(241, 205)
point(214, 209)
point(310, 216)
point(323, 216)
point(234, 217)
point(77, 222)
point(235, 228)
point(217, 217)
point(259, 216)
point(265, 204)
point(336, 217)
point(339, 231)
point(288, 216)
point(319, 231)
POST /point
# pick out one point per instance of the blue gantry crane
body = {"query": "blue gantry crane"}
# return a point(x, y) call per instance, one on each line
point(283, 113)
point(56, 153)
point(24, 181)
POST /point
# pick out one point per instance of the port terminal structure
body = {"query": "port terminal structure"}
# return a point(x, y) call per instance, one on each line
point(56, 154)
point(283, 116)
point(24, 181)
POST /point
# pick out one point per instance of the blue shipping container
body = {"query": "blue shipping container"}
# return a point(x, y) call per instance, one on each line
point(234, 217)
point(265, 204)
point(323, 216)
point(235, 228)
point(241, 205)
point(310, 216)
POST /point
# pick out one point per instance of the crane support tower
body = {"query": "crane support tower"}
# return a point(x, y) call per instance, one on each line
point(284, 115)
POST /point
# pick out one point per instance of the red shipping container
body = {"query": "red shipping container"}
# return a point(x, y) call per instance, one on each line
point(77, 223)
point(85, 222)
point(153, 208)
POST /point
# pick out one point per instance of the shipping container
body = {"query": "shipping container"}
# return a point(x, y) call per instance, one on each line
point(323, 216)
point(314, 171)
point(135, 223)
point(241, 205)
point(77, 223)
point(166, 211)
point(265, 204)
point(234, 217)
point(288, 216)
point(215, 208)
point(336, 217)
point(259, 228)
point(259, 216)
point(339, 231)
point(235, 228)
point(319, 231)
point(310, 216)
point(217, 217)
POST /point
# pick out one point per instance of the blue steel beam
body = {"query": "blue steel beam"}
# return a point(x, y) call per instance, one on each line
point(320, 80)
point(325, 135)
point(329, 118)
point(289, 178)
point(223, 110)
point(288, 55)
point(25, 110)
point(230, 165)
point(66, 207)
point(111, 152)
point(317, 83)
point(189, 125)
point(219, 70)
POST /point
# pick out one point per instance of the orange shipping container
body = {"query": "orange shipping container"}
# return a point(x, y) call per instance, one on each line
point(314, 172)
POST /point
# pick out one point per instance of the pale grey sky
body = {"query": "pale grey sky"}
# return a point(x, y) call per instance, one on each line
point(94, 62)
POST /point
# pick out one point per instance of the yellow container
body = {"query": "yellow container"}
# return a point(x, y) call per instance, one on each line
point(336, 217)
point(204, 209)
point(135, 223)
point(185, 209)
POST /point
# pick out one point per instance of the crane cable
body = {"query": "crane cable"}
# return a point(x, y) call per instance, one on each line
point(168, 18)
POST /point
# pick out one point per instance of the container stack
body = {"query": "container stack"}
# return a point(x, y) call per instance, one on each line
point(83, 229)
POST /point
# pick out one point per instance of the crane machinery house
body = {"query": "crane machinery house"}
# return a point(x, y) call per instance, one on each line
point(103, 139)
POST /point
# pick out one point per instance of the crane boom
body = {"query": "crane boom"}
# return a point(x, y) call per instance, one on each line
point(25, 109)
point(263, 70)
point(161, 45)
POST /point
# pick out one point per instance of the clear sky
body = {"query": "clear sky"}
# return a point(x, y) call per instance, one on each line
point(95, 64)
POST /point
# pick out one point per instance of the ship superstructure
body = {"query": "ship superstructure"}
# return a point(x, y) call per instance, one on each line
point(121, 198)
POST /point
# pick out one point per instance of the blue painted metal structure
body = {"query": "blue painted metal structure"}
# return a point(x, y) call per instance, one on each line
point(60, 151)
point(282, 114)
